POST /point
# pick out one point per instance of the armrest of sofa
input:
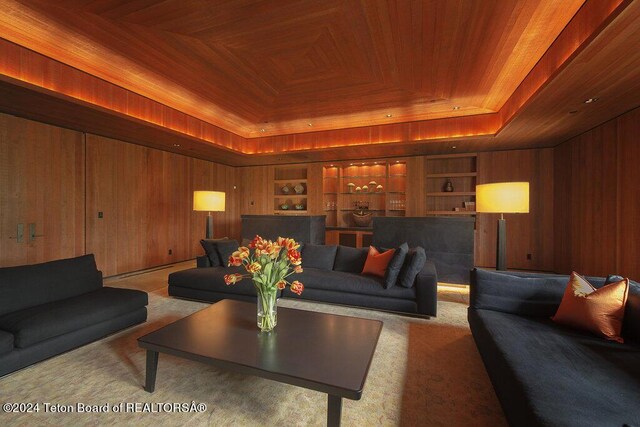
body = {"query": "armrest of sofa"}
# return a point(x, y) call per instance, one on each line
point(427, 289)
point(203, 261)
point(529, 294)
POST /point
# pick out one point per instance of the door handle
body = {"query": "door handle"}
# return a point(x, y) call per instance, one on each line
point(32, 232)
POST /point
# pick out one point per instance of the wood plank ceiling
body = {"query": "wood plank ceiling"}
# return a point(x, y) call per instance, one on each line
point(263, 73)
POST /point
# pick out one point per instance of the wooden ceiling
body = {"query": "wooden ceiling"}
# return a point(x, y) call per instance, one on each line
point(210, 77)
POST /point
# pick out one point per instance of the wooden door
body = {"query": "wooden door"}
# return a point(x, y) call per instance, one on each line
point(41, 183)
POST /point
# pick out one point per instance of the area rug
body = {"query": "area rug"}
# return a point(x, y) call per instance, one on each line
point(425, 372)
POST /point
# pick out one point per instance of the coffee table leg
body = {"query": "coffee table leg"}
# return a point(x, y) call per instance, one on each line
point(334, 412)
point(152, 367)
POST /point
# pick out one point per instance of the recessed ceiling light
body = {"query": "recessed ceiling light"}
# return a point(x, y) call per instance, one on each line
point(350, 164)
point(362, 164)
point(453, 147)
point(176, 145)
point(590, 100)
point(456, 107)
point(389, 115)
point(309, 124)
point(262, 130)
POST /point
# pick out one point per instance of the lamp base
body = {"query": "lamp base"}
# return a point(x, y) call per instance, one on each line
point(209, 226)
point(501, 248)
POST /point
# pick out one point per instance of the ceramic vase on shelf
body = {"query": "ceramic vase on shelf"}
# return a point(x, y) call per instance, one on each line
point(448, 186)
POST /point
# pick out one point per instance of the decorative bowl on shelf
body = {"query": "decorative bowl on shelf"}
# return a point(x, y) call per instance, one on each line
point(299, 207)
point(299, 189)
point(362, 218)
point(285, 189)
point(351, 187)
point(284, 207)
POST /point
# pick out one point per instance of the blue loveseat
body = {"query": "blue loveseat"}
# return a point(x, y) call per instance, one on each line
point(47, 309)
point(331, 274)
point(545, 374)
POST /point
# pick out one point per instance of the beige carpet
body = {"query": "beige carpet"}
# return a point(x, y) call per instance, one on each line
point(425, 372)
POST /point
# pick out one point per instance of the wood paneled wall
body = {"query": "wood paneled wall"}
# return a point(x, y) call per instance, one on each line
point(527, 234)
point(60, 179)
point(145, 196)
point(41, 182)
point(597, 213)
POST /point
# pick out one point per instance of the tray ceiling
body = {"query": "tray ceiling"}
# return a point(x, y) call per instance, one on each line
point(258, 68)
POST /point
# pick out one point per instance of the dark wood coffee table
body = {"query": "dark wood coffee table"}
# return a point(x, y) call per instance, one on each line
point(322, 352)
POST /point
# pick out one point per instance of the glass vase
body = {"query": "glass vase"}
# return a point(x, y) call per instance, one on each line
point(267, 310)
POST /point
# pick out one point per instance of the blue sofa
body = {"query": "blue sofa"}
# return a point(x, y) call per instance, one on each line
point(545, 374)
point(331, 274)
point(47, 309)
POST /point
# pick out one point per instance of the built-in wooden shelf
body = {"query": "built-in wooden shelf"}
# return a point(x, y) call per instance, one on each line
point(451, 212)
point(452, 175)
point(290, 181)
point(452, 194)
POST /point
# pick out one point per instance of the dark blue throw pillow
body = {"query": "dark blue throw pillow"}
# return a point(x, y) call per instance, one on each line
point(395, 265)
point(318, 256)
point(209, 246)
point(350, 260)
point(413, 264)
point(225, 250)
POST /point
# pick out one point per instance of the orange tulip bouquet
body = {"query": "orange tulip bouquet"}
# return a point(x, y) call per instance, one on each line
point(268, 264)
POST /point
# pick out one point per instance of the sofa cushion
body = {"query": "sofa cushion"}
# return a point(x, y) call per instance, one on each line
point(226, 249)
point(318, 256)
point(36, 324)
point(212, 279)
point(545, 374)
point(395, 265)
point(377, 262)
point(314, 278)
point(6, 342)
point(349, 260)
point(599, 311)
point(414, 261)
point(32, 285)
point(209, 246)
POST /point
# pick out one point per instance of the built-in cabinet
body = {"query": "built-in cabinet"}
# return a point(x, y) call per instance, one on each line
point(378, 187)
point(450, 184)
point(290, 190)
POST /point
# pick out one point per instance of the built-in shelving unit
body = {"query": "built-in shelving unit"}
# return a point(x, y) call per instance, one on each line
point(290, 190)
point(461, 171)
point(379, 184)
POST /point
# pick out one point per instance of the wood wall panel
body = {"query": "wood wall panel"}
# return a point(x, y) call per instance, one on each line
point(628, 263)
point(255, 187)
point(530, 233)
point(416, 193)
point(41, 182)
point(146, 199)
point(597, 211)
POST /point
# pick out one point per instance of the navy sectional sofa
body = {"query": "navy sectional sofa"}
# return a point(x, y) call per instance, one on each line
point(545, 374)
point(331, 274)
point(47, 309)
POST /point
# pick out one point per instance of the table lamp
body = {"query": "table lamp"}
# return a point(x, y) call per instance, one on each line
point(502, 198)
point(208, 201)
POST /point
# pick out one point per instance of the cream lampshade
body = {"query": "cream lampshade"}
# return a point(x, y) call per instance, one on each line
point(502, 198)
point(209, 201)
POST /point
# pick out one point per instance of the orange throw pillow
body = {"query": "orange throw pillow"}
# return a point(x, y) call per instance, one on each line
point(600, 311)
point(377, 262)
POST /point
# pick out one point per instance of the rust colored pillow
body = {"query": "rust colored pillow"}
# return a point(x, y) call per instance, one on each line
point(377, 262)
point(600, 311)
